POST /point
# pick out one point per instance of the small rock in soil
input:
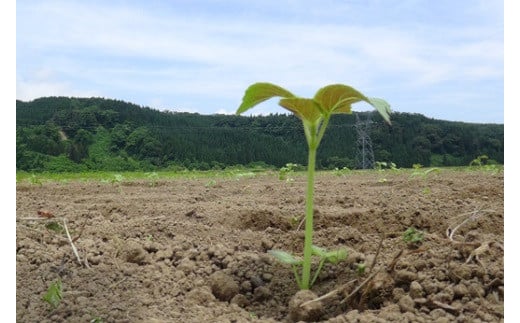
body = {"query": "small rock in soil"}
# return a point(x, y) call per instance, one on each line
point(406, 304)
point(267, 244)
point(240, 300)
point(308, 313)
point(460, 272)
point(460, 290)
point(476, 290)
point(446, 296)
point(397, 293)
point(200, 296)
point(246, 286)
point(352, 316)
point(223, 286)
point(438, 313)
point(416, 290)
point(430, 286)
point(267, 277)
point(133, 252)
point(256, 281)
point(262, 293)
point(404, 277)
point(186, 265)
point(355, 257)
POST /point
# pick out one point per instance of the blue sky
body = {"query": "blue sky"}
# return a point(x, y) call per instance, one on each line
point(443, 59)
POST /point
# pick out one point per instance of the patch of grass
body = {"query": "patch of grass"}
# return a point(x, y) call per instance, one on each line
point(151, 177)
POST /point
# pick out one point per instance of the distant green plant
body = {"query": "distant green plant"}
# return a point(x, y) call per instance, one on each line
point(210, 183)
point(117, 179)
point(479, 161)
point(360, 269)
point(382, 167)
point(379, 165)
point(341, 171)
point(55, 226)
point(34, 180)
point(492, 168)
point(315, 114)
point(294, 220)
point(240, 175)
point(412, 235)
point(425, 173)
point(54, 294)
point(152, 177)
point(285, 172)
point(418, 171)
point(483, 162)
point(426, 191)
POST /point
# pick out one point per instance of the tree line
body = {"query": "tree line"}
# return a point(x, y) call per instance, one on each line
point(78, 134)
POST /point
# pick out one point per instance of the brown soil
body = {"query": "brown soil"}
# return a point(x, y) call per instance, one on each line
point(195, 250)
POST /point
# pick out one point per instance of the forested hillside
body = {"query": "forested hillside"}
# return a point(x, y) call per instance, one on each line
point(76, 134)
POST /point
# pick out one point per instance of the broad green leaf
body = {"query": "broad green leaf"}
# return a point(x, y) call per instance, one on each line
point(54, 294)
point(337, 98)
point(382, 107)
point(284, 257)
point(345, 106)
point(305, 109)
point(260, 92)
point(318, 251)
point(336, 256)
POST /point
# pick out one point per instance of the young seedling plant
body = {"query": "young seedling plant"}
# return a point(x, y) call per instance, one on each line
point(315, 114)
point(54, 294)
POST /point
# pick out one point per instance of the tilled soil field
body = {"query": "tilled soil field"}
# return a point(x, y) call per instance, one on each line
point(196, 250)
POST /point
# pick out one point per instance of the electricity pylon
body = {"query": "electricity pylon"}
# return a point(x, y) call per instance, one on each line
point(365, 153)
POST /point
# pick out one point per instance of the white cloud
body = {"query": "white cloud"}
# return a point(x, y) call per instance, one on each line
point(206, 61)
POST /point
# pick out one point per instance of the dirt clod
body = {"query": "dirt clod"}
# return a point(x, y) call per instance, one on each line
point(262, 293)
point(406, 304)
point(223, 286)
point(133, 252)
point(309, 312)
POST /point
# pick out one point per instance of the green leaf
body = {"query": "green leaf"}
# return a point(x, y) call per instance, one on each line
point(54, 294)
point(338, 98)
point(260, 92)
point(336, 256)
point(55, 226)
point(382, 107)
point(285, 257)
point(318, 251)
point(305, 109)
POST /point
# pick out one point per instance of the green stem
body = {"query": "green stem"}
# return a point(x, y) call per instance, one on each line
point(322, 129)
point(309, 209)
point(320, 266)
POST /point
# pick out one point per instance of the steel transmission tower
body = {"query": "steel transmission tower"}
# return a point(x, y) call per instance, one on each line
point(365, 153)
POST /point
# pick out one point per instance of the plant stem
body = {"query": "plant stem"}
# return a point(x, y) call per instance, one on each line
point(309, 212)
